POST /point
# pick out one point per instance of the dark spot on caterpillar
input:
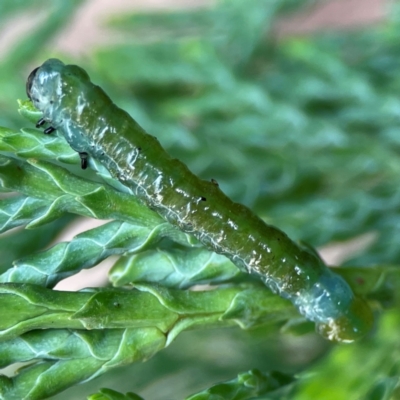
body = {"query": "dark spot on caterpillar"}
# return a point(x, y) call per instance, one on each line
point(116, 304)
point(360, 280)
point(203, 198)
point(139, 149)
point(51, 102)
point(214, 182)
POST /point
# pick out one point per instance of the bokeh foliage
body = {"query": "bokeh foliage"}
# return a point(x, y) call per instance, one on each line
point(303, 130)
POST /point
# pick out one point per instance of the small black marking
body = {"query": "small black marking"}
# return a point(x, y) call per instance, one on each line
point(139, 149)
point(203, 198)
point(84, 158)
point(49, 130)
point(214, 182)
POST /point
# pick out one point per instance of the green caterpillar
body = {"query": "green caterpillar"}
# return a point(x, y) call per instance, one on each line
point(95, 127)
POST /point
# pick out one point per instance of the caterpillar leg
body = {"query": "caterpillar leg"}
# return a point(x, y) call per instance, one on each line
point(49, 130)
point(84, 158)
point(40, 123)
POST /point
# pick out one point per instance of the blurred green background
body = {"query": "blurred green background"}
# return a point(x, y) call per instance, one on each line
point(303, 129)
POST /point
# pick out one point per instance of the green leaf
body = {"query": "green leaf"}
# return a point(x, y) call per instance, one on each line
point(122, 346)
point(173, 265)
point(70, 193)
point(28, 111)
point(246, 386)
point(108, 394)
point(82, 335)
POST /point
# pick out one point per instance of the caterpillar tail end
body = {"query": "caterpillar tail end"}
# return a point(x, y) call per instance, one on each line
point(355, 323)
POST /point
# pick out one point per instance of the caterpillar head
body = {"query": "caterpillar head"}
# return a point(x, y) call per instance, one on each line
point(53, 85)
point(44, 84)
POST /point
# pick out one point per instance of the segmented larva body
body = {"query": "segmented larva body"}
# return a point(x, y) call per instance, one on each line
point(94, 126)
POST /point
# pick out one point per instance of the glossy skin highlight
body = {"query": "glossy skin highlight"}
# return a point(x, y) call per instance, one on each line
point(95, 127)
